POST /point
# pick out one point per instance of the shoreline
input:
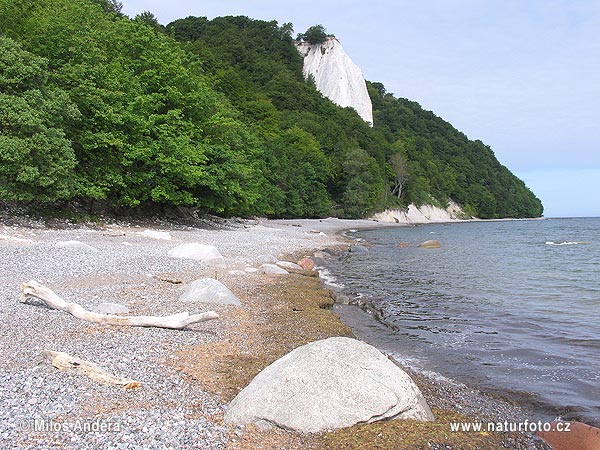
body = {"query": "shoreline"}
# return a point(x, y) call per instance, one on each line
point(157, 357)
point(364, 318)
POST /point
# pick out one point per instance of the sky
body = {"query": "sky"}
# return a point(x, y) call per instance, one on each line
point(523, 76)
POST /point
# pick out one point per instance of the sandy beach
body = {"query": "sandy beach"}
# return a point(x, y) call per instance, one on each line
point(187, 376)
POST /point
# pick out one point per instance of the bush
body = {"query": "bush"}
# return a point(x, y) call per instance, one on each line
point(314, 35)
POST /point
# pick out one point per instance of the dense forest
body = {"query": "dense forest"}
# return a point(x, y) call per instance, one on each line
point(97, 108)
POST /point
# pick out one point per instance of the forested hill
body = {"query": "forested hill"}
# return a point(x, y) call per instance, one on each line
point(444, 163)
point(99, 108)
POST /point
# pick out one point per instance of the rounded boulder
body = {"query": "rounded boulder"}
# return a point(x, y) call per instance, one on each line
point(329, 384)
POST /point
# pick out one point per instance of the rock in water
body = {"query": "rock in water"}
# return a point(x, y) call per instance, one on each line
point(329, 384)
point(358, 249)
point(431, 244)
point(199, 252)
point(336, 76)
point(209, 290)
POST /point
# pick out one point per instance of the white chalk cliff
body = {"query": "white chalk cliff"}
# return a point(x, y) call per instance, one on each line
point(422, 214)
point(336, 76)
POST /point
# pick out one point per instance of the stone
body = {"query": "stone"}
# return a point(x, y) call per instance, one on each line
point(579, 437)
point(289, 265)
point(402, 245)
point(358, 249)
point(272, 269)
point(110, 308)
point(153, 234)
point(266, 259)
point(237, 272)
point(209, 290)
point(78, 245)
point(199, 252)
point(307, 263)
point(340, 298)
point(433, 243)
point(328, 384)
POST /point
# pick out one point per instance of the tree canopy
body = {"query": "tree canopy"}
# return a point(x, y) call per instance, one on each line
point(36, 159)
point(313, 35)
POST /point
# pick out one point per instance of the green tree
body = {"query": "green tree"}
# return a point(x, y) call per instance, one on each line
point(400, 170)
point(149, 19)
point(299, 170)
point(36, 159)
point(153, 130)
point(314, 35)
point(363, 184)
point(110, 6)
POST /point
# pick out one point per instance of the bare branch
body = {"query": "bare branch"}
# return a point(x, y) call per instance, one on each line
point(53, 301)
point(64, 361)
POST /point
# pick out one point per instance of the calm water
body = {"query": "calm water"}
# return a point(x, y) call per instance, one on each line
point(499, 306)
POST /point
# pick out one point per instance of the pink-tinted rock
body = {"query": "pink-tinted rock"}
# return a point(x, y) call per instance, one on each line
point(579, 437)
point(307, 264)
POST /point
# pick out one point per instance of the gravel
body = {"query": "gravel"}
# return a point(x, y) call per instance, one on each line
point(44, 408)
point(41, 407)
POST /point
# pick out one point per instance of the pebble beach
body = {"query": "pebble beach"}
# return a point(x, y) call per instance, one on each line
point(128, 264)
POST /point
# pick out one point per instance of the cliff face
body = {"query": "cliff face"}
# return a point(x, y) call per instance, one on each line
point(336, 76)
point(422, 214)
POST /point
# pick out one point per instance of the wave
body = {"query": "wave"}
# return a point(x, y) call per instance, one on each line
point(328, 278)
point(566, 243)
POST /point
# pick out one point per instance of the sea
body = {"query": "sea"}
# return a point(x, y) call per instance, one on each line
point(510, 308)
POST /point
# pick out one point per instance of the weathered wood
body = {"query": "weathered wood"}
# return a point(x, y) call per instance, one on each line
point(64, 361)
point(168, 279)
point(53, 301)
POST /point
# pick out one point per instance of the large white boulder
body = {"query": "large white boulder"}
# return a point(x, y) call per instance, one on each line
point(209, 290)
point(199, 252)
point(329, 384)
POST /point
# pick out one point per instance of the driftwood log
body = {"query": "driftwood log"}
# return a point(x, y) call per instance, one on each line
point(64, 361)
point(33, 289)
